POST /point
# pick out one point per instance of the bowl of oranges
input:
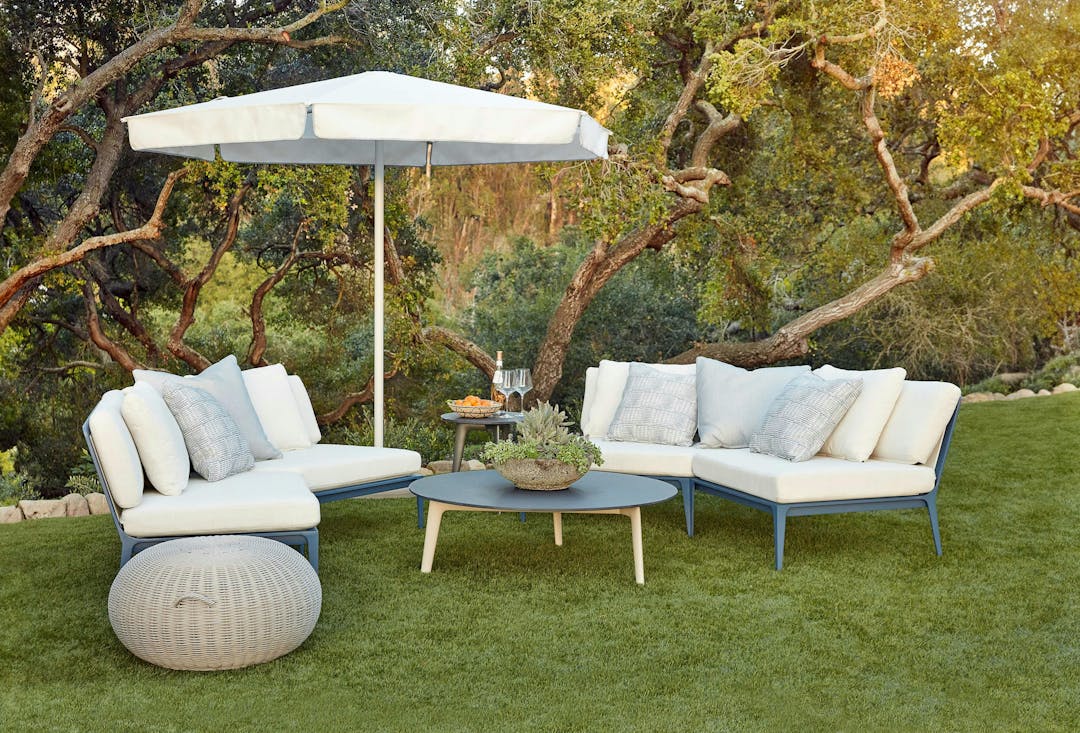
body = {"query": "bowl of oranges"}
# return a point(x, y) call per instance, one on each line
point(473, 406)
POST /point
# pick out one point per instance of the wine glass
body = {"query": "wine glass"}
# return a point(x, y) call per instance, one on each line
point(507, 387)
point(523, 384)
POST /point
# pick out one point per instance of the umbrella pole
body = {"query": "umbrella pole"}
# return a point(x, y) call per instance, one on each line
point(378, 396)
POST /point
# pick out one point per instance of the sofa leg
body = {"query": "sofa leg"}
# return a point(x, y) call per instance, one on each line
point(419, 512)
point(313, 552)
point(779, 528)
point(687, 486)
point(931, 506)
point(127, 549)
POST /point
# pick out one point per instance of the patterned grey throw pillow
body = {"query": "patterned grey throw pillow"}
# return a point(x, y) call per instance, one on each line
point(214, 443)
point(803, 416)
point(656, 407)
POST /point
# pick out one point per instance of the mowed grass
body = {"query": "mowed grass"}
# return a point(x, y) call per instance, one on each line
point(864, 629)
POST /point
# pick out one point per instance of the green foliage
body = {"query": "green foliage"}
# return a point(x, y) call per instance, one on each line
point(1064, 368)
point(543, 434)
point(990, 384)
point(16, 486)
point(433, 440)
point(645, 313)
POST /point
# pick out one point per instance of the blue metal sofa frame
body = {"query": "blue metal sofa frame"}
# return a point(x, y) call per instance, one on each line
point(304, 540)
point(780, 512)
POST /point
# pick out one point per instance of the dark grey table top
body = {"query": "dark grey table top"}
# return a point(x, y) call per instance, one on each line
point(496, 419)
point(594, 490)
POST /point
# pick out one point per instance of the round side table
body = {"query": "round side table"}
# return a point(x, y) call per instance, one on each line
point(493, 424)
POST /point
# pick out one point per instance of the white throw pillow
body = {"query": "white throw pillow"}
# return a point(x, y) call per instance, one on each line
point(117, 455)
point(225, 384)
point(158, 439)
point(270, 393)
point(917, 422)
point(857, 434)
point(307, 412)
point(610, 382)
point(732, 401)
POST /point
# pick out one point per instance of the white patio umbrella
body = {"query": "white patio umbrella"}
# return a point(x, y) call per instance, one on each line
point(378, 119)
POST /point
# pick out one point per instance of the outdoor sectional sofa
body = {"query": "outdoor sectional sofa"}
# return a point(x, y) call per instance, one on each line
point(898, 465)
point(277, 498)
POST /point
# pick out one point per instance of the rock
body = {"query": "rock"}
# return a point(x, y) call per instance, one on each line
point(441, 466)
point(977, 397)
point(1063, 388)
point(1012, 378)
point(1044, 393)
point(10, 514)
point(998, 396)
point(425, 472)
point(1020, 394)
point(475, 465)
point(97, 503)
point(42, 508)
point(75, 505)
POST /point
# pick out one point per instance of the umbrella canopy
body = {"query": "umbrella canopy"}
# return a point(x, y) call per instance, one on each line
point(376, 118)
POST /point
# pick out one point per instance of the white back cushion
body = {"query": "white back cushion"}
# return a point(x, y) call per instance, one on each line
point(857, 434)
point(732, 401)
point(158, 439)
point(591, 375)
point(307, 412)
point(270, 393)
point(918, 422)
point(117, 455)
point(597, 413)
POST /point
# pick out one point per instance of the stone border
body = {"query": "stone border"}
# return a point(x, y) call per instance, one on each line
point(1019, 394)
point(72, 505)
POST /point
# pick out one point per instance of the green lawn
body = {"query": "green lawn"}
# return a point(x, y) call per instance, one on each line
point(864, 629)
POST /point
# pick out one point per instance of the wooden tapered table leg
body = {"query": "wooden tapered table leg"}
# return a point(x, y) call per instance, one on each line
point(556, 519)
point(431, 534)
point(639, 555)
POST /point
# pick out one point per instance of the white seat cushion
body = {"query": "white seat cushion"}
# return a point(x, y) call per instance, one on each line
point(819, 479)
point(647, 459)
point(331, 466)
point(246, 502)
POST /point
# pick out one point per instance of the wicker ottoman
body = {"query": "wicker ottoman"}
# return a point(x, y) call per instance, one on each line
point(223, 602)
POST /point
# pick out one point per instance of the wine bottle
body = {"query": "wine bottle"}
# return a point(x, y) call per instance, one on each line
point(497, 378)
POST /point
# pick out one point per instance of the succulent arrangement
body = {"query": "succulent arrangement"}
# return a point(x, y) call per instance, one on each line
point(543, 434)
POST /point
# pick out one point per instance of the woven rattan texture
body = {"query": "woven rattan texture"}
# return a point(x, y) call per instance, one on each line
point(205, 603)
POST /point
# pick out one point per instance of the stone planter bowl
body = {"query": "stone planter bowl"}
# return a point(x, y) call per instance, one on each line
point(539, 474)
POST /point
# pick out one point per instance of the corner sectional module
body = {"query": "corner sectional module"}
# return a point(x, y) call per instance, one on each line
point(886, 452)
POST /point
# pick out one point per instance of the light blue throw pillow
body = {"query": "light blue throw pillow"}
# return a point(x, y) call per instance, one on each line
point(800, 420)
point(214, 443)
point(656, 407)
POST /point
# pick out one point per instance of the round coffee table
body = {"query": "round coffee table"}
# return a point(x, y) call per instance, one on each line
point(597, 492)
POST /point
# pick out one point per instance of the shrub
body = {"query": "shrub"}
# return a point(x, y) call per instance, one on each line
point(14, 487)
